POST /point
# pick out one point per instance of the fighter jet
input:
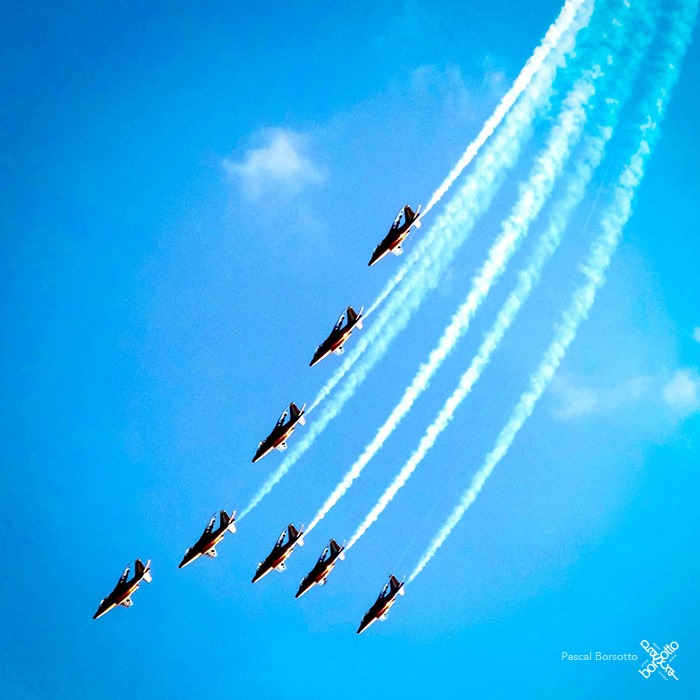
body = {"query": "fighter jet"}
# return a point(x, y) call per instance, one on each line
point(325, 564)
point(382, 605)
point(397, 233)
point(286, 542)
point(121, 595)
point(338, 336)
point(277, 439)
point(210, 538)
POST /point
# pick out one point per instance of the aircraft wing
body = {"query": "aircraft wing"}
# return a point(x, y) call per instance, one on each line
point(208, 529)
point(124, 575)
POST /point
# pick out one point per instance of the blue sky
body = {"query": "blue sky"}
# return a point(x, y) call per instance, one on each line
point(189, 199)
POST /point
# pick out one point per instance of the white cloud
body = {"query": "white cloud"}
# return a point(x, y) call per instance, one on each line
point(679, 391)
point(495, 77)
point(696, 334)
point(279, 166)
point(460, 96)
point(444, 87)
point(575, 399)
point(682, 391)
point(572, 401)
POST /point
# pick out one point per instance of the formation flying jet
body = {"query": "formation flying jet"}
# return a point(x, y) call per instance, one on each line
point(121, 595)
point(277, 439)
point(397, 233)
point(210, 538)
point(286, 542)
point(338, 336)
point(325, 564)
point(382, 605)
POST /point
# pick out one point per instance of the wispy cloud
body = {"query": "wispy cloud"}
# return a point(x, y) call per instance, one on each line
point(447, 84)
point(575, 398)
point(696, 334)
point(460, 96)
point(682, 392)
point(280, 165)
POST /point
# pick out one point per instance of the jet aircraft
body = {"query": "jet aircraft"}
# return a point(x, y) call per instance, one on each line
point(397, 233)
point(121, 595)
point(382, 605)
point(338, 336)
point(286, 542)
point(277, 439)
point(210, 538)
point(325, 564)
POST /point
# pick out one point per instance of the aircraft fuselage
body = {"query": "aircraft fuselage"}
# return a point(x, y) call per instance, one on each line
point(202, 547)
point(116, 598)
point(274, 440)
point(274, 560)
point(316, 576)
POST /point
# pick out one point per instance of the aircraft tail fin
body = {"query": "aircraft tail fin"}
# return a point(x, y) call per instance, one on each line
point(296, 413)
point(143, 570)
point(412, 216)
point(355, 317)
point(295, 535)
point(227, 522)
point(336, 549)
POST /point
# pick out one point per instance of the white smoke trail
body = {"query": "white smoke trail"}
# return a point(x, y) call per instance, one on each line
point(593, 151)
point(534, 64)
point(613, 222)
point(536, 78)
point(533, 194)
point(433, 254)
point(436, 249)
